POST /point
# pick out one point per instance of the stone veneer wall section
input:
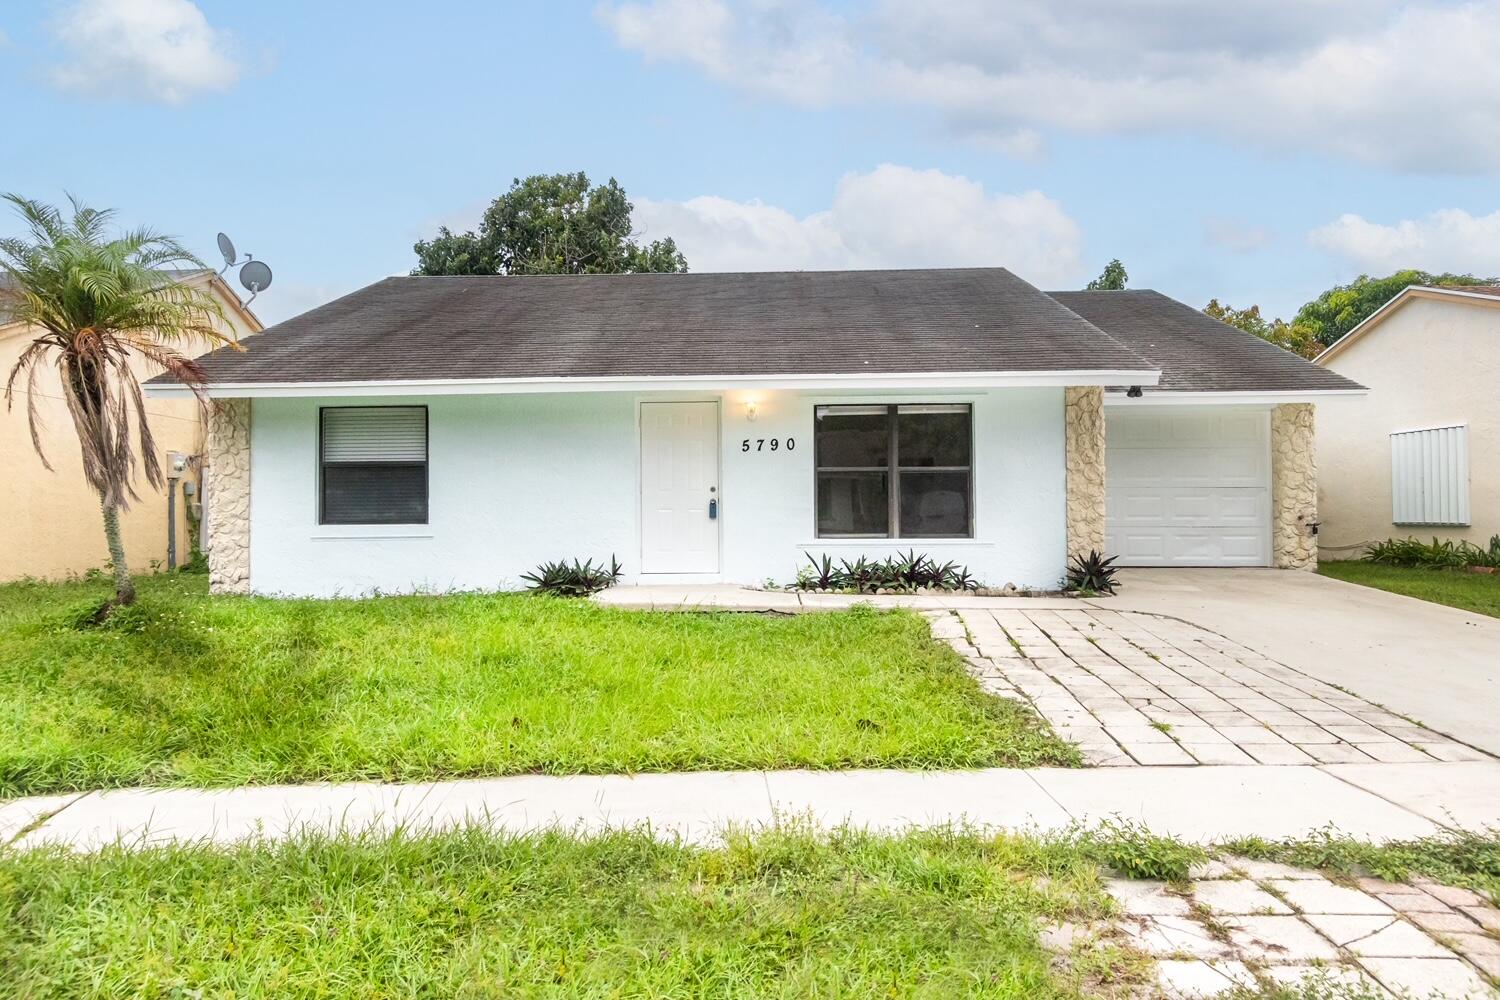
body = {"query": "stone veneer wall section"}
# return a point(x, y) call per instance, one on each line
point(1294, 487)
point(228, 496)
point(1084, 418)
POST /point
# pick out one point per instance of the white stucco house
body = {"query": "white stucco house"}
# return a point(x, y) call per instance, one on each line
point(1420, 453)
point(435, 433)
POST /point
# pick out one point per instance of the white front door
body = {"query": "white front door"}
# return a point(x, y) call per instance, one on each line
point(679, 483)
point(1188, 486)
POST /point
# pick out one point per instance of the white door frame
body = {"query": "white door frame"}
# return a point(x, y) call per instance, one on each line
point(640, 488)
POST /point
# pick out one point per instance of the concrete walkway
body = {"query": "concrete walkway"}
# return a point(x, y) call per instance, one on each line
point(1372, 801)
point(1433, 663)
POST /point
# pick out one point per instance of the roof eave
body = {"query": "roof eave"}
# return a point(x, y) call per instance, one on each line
point(689, 383)
point(1395, 302)
point(1228, 397)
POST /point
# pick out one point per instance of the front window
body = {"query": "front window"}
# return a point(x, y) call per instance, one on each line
point(373, 465)
point(897, 471)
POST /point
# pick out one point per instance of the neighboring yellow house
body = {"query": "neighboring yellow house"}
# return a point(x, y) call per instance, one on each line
point(1419, 455)
point(49, 521)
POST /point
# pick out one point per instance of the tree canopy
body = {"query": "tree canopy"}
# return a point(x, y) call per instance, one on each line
point(1295, 337)
point(1343, 307)
point(550, 224)
point(1112, 278)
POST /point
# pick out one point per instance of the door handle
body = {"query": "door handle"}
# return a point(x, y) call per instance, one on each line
point(713, 509)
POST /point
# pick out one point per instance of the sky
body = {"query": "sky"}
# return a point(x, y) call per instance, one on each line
point(1253, 152)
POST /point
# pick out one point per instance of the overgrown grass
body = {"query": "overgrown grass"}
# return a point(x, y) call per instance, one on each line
point(1464, 858)
point(1477, 592)
point(471, 914)
point(188, 689)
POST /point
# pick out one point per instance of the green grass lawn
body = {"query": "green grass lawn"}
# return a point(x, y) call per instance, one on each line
point(188, 689)
point(1479, 592)
point(469, 915)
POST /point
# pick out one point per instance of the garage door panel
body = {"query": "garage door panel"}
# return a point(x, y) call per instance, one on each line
point(1188, 487)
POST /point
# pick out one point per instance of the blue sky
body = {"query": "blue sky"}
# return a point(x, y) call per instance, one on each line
point(1257, 156)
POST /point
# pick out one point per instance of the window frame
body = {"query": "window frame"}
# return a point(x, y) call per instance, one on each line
point(426, 466)
point(892, 471)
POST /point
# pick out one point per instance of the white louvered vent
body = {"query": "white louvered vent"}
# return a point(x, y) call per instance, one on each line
point(375, 434)
point(1430, 476)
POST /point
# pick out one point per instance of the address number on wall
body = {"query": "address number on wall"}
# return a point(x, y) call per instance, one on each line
point(768, 444)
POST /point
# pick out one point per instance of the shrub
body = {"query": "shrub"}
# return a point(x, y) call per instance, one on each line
point(1438, 554)
point(1092, 573)
point(902, 573)
point(575, 580)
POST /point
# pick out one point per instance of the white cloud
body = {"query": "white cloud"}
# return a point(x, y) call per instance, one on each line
point(1412, 85)
point(892, 216)
point(156, 50)
point(1447, 240)
point(1235, 235)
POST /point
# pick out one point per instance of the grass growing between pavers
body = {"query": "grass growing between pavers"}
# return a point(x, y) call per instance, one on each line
point(1477, 592)
point(186, 689)
point(471, 914)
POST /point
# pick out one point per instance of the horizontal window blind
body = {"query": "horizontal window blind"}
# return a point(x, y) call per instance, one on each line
point(375, 434)
point(374, 465)
point(1430, 476)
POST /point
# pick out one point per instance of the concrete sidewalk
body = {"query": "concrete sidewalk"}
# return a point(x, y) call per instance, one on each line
point(1371, 801)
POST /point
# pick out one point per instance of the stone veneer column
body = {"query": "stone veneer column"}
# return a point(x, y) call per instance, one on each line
point(1083, 409)
point(1294, 487)
point(227, 504)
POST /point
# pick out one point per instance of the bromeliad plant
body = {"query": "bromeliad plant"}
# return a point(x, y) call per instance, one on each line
point(1092, 573)
point(900, 573)
point(575, 580)
point(101, 304)
point(1439, 554)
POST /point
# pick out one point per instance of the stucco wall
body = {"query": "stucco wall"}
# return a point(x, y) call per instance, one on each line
point(1294, 487)
point(1086, 466)
point(515, 480)
point(1429, 364)
point(49, 521)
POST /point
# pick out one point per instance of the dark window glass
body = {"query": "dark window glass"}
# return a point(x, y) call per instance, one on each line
point(854, 503)
point(903, 471)
point(934, 504)
point(854, 437)
point(373, 466)
point(932, 436)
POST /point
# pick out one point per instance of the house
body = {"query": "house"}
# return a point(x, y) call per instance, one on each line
point(453, 432)
point(49, 521)
point(1420, 454)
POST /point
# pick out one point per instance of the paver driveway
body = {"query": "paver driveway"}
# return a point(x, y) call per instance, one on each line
point(1133, 688)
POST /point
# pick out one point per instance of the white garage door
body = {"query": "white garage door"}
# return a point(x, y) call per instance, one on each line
point(1188, 487)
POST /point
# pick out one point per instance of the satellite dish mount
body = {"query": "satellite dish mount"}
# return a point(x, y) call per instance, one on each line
point(254, 274)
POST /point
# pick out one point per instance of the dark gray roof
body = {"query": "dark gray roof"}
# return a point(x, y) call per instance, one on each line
point(642, 325)
point(1195, 352)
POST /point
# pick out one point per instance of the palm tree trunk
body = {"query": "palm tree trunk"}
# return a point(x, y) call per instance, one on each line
point(124, 586)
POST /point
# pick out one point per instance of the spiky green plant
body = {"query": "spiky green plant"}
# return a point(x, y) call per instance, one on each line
point(101, 303)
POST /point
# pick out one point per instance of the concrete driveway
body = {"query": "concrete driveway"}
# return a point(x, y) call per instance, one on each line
point(1436, 664)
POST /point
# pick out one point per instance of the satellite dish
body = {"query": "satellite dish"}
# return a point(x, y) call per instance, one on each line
point(256, 277)
point(226, 247)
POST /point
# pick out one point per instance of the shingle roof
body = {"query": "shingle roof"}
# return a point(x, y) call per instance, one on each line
point(644, 325)
point(1493, 291)
point(1195, 352)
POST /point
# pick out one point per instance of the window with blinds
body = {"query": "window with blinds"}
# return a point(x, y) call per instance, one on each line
point(373, 462)
point(1430, 476)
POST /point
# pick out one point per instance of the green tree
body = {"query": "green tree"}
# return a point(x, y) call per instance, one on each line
point(550, 224)
point(1112, 279)
point(1343, 307)
point(1295, 337)
point(100, 305)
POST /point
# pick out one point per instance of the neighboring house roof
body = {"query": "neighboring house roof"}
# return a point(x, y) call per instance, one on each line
point(1197, 353)
point(1483, 296)
point(640, 326)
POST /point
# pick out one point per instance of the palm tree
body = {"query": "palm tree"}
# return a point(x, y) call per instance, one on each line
point(101, 304)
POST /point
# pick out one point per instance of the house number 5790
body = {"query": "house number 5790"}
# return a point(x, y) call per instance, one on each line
point(768, 444)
